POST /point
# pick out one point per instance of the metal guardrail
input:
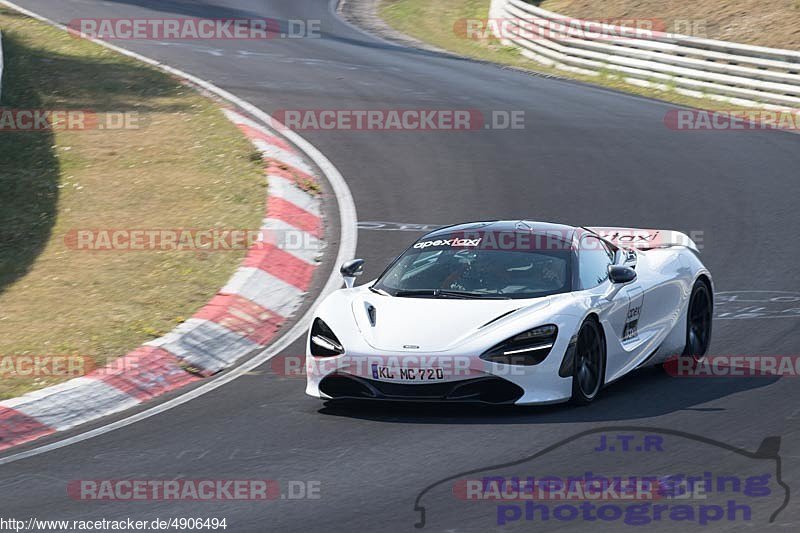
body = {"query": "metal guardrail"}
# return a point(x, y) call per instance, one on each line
point(705, 68)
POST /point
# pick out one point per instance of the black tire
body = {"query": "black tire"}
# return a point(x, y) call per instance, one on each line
point(589, 366)
point(699, 321)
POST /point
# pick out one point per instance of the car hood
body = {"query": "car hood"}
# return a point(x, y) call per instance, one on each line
point(429, 324)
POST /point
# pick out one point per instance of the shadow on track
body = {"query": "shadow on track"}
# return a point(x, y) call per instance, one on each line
point(643, 394)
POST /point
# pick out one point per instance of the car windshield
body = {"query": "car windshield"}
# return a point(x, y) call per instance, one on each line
point(452, 266)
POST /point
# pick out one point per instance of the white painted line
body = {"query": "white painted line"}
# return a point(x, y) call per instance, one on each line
point(347, 248)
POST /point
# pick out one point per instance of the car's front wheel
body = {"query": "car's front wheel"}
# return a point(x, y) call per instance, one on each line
point(698, 321)
point(589, 364)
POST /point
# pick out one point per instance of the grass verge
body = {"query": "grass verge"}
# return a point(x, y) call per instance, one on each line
point(437, 22)
point(184, 165)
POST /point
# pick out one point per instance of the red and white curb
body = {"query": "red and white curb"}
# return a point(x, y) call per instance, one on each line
point(241, 319)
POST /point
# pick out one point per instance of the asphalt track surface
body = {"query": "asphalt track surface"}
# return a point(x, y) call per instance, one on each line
point(586, 156)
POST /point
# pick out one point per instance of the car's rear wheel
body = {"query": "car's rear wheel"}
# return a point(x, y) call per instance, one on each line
point(590, 363)
point(698, 321)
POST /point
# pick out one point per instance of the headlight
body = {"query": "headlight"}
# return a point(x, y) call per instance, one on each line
point(528, 348)
point(323, 342)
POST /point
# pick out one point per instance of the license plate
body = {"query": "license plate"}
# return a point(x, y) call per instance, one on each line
point(391, 373)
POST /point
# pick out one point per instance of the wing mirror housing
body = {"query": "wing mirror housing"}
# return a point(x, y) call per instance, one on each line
point(621, 274)
point(350, 270)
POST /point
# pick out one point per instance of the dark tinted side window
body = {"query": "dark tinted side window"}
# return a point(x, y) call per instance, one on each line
point(593, 260)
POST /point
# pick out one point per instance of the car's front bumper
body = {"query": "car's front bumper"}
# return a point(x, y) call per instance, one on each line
point(486, 389)
point(473, 380)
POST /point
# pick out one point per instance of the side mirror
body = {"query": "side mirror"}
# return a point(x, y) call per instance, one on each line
point(620, 274)
point(350, 270)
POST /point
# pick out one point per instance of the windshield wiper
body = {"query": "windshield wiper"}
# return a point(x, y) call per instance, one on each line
point(474, 294)
point(378, 291)
point(417, 292)
point(442, 293)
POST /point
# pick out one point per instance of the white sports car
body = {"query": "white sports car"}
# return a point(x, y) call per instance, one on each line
point(511, 312)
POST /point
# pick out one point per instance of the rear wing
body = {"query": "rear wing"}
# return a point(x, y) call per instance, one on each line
point(645, 239)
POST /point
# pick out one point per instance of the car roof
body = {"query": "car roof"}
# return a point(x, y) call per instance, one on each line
point(518, 226)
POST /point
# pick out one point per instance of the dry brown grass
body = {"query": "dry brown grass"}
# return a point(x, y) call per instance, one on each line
point(774, 23)
point(186, 166)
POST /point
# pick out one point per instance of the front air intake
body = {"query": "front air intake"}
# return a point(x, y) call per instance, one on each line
point(323, 341)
